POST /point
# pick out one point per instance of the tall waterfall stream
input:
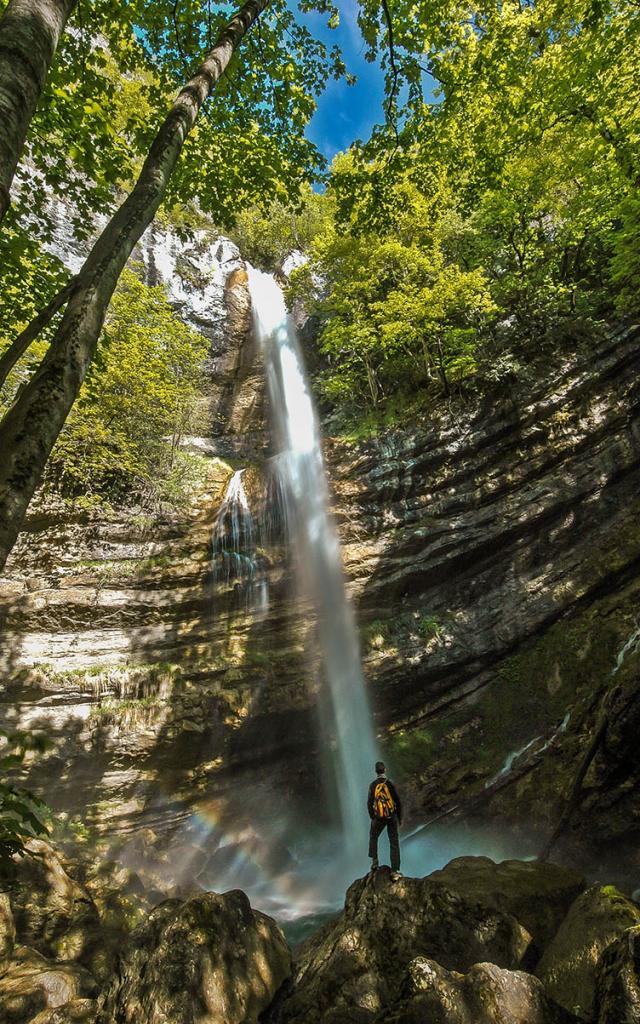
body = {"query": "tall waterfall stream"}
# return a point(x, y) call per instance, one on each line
point(300, 468)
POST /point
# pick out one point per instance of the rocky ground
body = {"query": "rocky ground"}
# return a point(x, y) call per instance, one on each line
point(475, 943)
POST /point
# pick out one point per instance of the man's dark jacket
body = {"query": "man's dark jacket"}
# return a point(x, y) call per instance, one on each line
point(394, 794)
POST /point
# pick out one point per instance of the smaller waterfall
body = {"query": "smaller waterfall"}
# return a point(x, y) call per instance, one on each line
point(234, 544)
point(299, 468)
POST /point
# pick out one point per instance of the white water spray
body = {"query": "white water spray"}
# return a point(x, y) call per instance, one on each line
point(300, 467)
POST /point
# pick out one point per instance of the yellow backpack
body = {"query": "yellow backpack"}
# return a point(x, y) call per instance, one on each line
point(383, 801)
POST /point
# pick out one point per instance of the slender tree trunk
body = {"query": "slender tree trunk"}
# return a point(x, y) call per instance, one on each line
point(29, 35)
point(30, 428)
point(20, 344)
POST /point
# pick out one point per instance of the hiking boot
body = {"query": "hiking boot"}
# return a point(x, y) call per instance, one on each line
point(396, 876)
point(374, 864)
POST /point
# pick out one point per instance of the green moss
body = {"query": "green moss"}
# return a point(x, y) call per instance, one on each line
point(115, 708)
point(410, 752)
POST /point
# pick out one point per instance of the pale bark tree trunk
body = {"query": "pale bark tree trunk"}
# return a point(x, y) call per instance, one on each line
point(30, 428)
point(29, 35)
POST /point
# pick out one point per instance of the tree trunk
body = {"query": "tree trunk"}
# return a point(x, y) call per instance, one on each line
point(29, 35)
point(30, 428)
point(19, 345)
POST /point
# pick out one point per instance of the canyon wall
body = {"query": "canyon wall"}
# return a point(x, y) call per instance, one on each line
point(493, 558)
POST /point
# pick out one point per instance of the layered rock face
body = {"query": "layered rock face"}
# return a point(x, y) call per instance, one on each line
point(493, 558)
point(496, 561)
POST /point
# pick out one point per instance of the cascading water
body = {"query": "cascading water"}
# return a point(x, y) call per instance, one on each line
point(233, 542)
point(303, 486)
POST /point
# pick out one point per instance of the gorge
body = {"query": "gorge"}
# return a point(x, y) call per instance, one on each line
point(319, 448)
point(479, 554)
point(176, 659)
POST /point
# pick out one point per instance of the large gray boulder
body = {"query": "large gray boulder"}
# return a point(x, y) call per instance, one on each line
point(353, 969)
point(211, 960)
point(618, 981)
point(485, 995)
point(538, 894)
point(568, 968)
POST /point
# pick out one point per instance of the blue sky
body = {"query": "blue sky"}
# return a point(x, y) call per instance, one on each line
point(346, 112)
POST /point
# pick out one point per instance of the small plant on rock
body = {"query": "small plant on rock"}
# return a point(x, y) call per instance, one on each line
point(22, 813)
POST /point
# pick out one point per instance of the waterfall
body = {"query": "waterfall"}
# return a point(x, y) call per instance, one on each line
point(303, 485)
point(233, 543)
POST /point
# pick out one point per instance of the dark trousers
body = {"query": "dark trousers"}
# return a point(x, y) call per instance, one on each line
point(378, 826)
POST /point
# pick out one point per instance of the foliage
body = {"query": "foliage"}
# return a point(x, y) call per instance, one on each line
point(121, 438)
point(396, 311)
point(498, 219)
point(22, 813)
point(625, 263)
point(411, 752)
point(29, 277)
point(266, 235)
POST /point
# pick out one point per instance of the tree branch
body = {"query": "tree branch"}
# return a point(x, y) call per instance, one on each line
point(394, 73)
point(20, 344)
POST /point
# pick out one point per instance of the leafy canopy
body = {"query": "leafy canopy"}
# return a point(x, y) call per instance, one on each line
point(120, 441)
point(501, 218)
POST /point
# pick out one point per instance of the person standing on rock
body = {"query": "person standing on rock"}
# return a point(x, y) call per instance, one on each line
point(385, 811)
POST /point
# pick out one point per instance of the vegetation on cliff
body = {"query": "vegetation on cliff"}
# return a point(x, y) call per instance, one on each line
point(502, 225)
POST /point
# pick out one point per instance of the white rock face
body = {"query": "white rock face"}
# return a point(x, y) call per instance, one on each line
point(293, 261)
point(194, 272)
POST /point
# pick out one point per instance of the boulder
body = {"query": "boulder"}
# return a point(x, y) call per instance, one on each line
point(536, 893)
point(30, 984)
point(353, 969)
point(618, 980)
point(485, 995)
point(568, 968)
point(54, 914)
point(211, 960)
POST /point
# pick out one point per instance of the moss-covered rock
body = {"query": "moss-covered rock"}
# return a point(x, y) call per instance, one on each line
point(537, 894)
point(485, 995)
point(354, 968)
point(211, 960)
point(569, 966)
point(54, 914)
point(78, 1011)
point(7, 926)
point(618, 980)
point(32, 983)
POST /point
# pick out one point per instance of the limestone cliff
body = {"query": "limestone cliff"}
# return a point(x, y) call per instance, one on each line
point(493, 557)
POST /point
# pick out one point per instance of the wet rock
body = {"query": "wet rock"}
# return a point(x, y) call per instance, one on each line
point(618, 981)
point(32, 983)
point(54, 914)
point(537, 894)
point(485, 995)
point(569, 966)
point(211, 960)
point(354, 968)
